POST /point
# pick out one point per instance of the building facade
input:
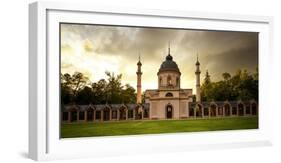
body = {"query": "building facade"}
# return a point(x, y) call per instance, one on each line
point(169, 101)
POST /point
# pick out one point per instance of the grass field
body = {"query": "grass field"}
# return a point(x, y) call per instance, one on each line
point(155, 126)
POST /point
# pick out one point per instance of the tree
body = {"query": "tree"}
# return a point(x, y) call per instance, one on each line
point(77, 88)
point(241, 86)
point(226, 76)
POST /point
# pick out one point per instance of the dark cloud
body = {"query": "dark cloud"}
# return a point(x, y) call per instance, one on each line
point(219, 51)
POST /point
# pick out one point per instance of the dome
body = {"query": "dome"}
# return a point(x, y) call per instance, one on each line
point(169, 65)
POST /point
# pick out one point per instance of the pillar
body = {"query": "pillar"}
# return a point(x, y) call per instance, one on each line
point(69, 117)
point(85, 116)
point(110, 114)
point(101, 115)
point(77, 116)
point(118, 116)
point(94, 115)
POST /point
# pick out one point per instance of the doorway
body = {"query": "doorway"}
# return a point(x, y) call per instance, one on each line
point(169, 112)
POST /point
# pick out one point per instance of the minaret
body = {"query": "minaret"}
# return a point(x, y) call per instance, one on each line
point(139, 73)
point(197, 73)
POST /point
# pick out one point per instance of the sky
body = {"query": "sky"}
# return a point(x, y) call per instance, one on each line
point(94, 49)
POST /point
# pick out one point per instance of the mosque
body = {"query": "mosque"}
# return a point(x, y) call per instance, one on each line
point(168, 101)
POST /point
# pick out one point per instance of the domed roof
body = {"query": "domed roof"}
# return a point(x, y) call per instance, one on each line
point(169, 65)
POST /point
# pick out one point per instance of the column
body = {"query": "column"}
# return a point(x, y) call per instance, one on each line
point(69, 117)
point(118, 116)
point(110, 114)
point(209, 111)
point(251, 112)
point(94, 115)
point(77, 116)
point(85, 116)
point(217, 110)
point(134, 114)
point(101, 115)
point(126, 111)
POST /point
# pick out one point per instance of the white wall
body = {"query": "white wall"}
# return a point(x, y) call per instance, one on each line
point(14, 75)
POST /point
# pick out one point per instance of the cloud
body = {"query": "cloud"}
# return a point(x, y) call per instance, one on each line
point(117, 48)
point(88, 46)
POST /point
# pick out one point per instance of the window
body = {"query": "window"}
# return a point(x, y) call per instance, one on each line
point(169, 94)
point(178, 81)
point(169, 80)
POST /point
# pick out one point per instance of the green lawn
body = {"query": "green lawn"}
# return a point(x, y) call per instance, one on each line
point(156, 126)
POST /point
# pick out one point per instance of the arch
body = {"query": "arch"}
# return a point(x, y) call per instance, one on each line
point(90, 114)
point(199, 110)
point(145, 113)
point(206, 111)
point(213, 110)
point(191, 112)
point(169, 111)
point(98, 115)
point(169, 94)
point(227, 109)
point(106, 114)
point(254, 109)
point(122, 113)
point(220, 111)
point(73, 114)
point(240, 109)
point(114, 114)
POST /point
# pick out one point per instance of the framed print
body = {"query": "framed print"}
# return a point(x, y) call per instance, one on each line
point(141, 81)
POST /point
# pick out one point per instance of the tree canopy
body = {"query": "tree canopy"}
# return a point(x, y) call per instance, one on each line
point(78, 89)
point(241, 86)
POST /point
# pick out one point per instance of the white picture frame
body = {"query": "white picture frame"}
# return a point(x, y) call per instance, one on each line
point(44, 139)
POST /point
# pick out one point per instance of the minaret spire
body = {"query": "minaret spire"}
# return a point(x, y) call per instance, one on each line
point(197, 74)
point(169, 50)
point(139, 73)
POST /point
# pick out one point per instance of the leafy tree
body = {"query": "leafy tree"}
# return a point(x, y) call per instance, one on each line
point(241, 86)
point(77, 88)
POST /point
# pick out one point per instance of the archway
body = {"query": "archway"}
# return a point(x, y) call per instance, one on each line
point(122, 113)
point(169, 112)
point(199, 110)
point(106, 114)
point(90, 114)
point(240, 109)
point(213, 110)
point(227, 110)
